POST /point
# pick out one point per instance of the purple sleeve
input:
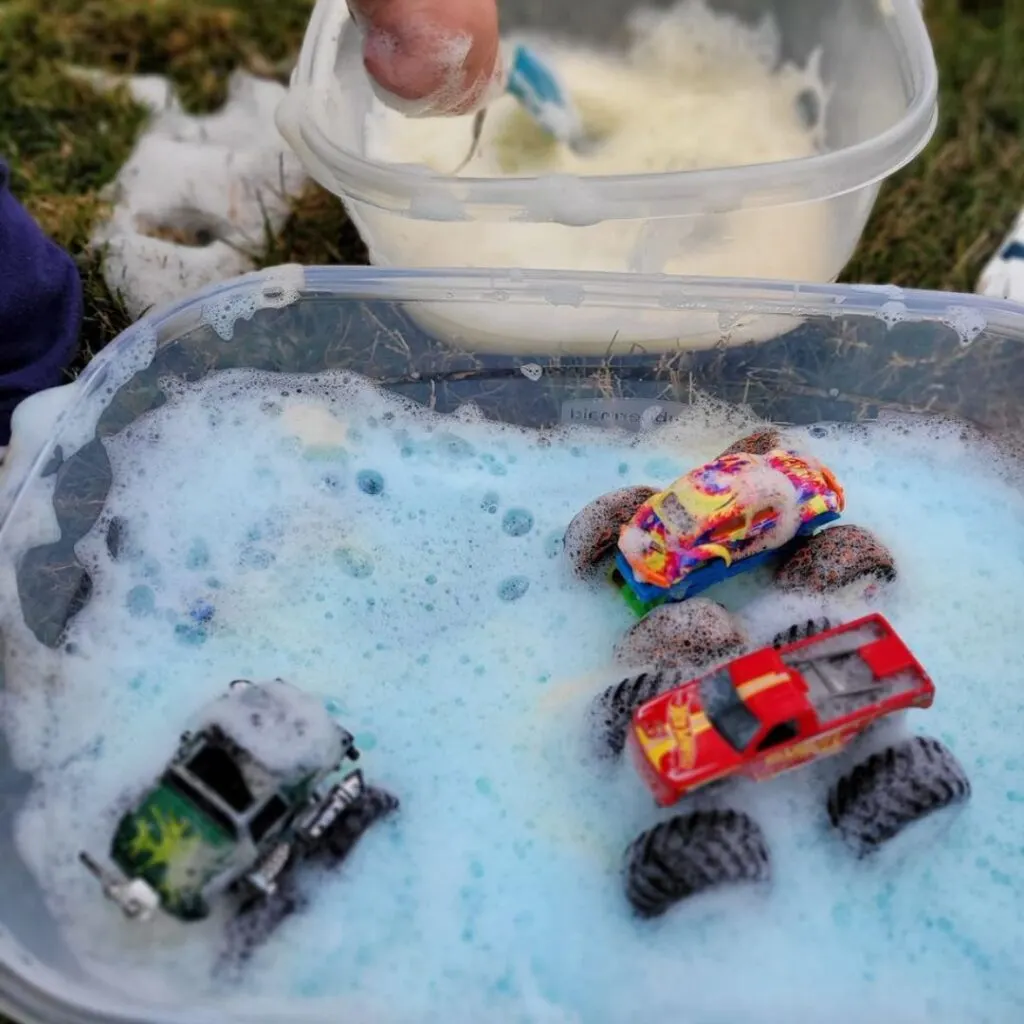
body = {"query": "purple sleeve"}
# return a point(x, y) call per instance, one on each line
point(40, 308)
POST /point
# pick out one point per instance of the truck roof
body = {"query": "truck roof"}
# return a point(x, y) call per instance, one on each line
point(283, 729)
point(833, 674)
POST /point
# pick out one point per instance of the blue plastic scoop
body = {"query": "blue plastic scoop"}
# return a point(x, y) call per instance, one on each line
point(539, 91)
point(537, 87)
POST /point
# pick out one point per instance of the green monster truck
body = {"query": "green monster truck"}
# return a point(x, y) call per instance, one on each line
point(240, 803)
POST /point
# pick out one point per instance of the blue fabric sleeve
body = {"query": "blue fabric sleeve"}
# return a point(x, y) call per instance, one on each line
point(40, 307)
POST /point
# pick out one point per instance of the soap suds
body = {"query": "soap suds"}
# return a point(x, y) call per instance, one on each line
point(696, 90)
point(286, 730)
point(364, 553)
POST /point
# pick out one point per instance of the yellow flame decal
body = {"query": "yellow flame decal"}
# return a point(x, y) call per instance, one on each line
point(159, 845)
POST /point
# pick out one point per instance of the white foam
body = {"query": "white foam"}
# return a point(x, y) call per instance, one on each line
point(286, 730)
point(403, 569)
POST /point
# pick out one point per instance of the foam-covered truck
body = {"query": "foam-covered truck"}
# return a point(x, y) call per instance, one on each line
point(810, 695)
point(247, 795)
point(759, 501)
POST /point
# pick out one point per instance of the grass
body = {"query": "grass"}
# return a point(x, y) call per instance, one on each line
point(934, 225)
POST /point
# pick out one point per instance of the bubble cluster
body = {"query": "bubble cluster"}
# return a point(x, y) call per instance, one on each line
point(517, 522)
point(513, 588)
point(370, 481)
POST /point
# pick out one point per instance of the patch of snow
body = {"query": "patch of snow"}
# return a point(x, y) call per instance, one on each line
point(195, 200)
point(285, 729)
point(1002, 277)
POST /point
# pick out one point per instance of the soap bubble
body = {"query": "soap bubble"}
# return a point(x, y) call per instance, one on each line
point(370, 481)
point(517, 522)
point(513, 588)
point(354, 562)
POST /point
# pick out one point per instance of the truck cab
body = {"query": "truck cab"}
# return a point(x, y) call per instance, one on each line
point(772, 710)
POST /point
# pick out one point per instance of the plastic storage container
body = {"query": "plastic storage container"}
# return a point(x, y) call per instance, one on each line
point(857, 353)
point(878, 72)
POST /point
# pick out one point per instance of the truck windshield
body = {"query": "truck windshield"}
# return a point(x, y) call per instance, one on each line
point(674, 516)
point(725, 710)
point(201, 801)
point(212, 765)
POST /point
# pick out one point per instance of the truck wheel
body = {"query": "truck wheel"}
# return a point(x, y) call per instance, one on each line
point(373, 805)
point(836, 558)
point(893, 788)
point(258, 916)
point(759, 443)
point(594, 531)
point(691, 853)
point(801, 631)
point(613, 710)
point(696, 632)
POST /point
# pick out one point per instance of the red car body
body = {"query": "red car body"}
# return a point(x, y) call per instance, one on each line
point(774, 709)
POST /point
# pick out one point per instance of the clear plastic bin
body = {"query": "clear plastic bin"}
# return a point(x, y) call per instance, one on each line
point(857, 353)
point(879, 75)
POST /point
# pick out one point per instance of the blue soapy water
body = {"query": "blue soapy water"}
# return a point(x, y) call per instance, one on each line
point(141, 600)
point(198, 555)
point(513, 588)
point(495, 893)
point(354, 563)
point(517, 522)
point(370, 481)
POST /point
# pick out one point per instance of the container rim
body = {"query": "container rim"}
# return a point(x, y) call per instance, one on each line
point(428, 195)
point(578, 288)
point(34, 992)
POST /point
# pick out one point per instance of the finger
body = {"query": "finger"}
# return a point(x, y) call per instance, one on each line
point(434, 56)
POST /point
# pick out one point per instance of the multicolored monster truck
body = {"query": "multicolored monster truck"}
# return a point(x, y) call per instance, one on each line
point(757, 501)
point(810, 695)
point(240, 803)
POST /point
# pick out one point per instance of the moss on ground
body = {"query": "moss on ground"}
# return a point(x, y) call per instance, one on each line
point(934, 225)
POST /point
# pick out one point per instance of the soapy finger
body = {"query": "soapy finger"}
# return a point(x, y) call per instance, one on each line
point(430, 57)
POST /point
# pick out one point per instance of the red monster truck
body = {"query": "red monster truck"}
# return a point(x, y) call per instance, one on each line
point(808, 696)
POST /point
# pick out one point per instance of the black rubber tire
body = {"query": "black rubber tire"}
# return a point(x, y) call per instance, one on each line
point(687, 635)
point(801, 631)
point(339, 840)
point(758, 443)
point(835, 558)
point(612, 710)
point(692, 853)
point(594, 531)
point(893, 788)
point(257, 918)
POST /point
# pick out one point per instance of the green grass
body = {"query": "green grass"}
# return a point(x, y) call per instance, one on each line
point(934, 225)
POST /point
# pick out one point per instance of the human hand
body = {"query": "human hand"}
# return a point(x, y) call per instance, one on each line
point(430, 57)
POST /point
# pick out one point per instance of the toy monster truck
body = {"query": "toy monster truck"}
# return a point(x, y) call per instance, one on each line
point(806, 697)
point(757, 501)
point(239, 804)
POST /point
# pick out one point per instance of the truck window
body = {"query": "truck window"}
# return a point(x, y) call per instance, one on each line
point(765, 519)
point(269, 815)
point(781, 733)
point(216, 768)
point(726, 711)
point(215, 813)
point(724, 532)
point(673, 515)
